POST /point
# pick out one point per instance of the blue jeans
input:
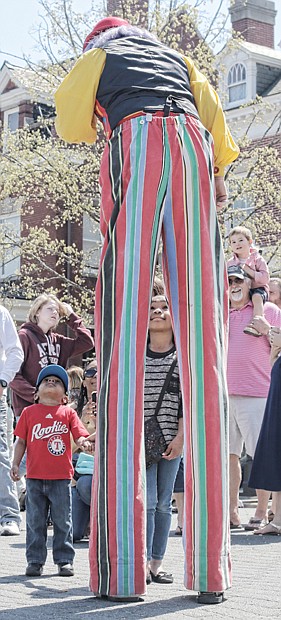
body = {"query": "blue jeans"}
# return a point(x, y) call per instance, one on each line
point(9, 505)
point(160, 479)
point(40, 494)
point(81, 501)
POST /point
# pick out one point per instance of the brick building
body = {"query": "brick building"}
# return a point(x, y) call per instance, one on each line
point(19, 87)
point(252, 68)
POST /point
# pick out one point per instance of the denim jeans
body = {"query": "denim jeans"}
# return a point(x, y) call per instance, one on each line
point(40, 494)
point(9, 505)
point(160, 479)
point(81, 501)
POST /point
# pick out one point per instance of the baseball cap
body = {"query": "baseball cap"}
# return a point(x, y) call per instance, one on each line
point(53, 370)
point(236, 270)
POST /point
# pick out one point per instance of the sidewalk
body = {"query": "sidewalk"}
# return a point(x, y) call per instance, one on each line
point(255, 594)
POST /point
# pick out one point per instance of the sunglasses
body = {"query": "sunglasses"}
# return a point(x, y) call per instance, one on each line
point(90, 372)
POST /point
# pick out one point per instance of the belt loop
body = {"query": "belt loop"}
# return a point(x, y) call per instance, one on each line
point(148, 117)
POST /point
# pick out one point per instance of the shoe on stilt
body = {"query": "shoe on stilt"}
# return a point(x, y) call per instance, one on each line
point(120, 599)
point(210, 598)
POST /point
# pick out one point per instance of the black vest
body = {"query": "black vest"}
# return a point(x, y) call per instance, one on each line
point(139, 74)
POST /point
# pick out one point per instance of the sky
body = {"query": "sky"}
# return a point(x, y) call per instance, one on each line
point(20, 16)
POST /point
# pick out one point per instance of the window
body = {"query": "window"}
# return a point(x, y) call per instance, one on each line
point(236, 83)
point(9, 250)
point(11, 119)
point(91, 245)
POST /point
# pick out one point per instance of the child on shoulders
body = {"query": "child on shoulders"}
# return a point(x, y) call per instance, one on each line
point(254, 265)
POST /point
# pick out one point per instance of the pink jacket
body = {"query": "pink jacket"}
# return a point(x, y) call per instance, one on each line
point(256, 262)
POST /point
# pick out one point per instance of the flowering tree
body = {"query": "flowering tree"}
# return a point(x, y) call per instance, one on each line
point(36, 168)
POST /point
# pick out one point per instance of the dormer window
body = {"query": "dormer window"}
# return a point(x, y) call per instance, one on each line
point(11, 119)
point(236, 82)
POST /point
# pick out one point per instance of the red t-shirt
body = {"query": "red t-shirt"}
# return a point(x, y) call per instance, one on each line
point(46, 431)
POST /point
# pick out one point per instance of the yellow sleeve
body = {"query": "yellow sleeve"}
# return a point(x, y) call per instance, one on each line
point(212, 117)
point(75, 99)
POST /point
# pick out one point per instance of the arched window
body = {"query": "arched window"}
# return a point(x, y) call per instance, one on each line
point(236, 83)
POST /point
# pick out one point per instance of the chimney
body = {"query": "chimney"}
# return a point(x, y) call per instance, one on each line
point(255, 20)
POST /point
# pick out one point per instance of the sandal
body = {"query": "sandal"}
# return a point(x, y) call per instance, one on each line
point(272, 530)
point(270, 516)
point(251, 331)
point(162, 577)
point(178, 531)
point(148, 579)
point(235, 526)
point(255, 524)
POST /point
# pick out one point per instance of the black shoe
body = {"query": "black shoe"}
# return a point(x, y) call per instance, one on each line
point(210, 598)
point(65, 570)
point(120, 599)
point(162, 577)
point(34, 570)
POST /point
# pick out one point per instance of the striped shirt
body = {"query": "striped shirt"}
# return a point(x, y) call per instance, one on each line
point(157, 368)
point(248, 364)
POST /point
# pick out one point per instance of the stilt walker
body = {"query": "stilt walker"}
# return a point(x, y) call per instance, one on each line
point(161, 174)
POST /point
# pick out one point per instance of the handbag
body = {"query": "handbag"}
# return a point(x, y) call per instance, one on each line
point(155, 442)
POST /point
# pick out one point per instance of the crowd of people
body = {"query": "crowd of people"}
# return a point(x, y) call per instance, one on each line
point(153, 404)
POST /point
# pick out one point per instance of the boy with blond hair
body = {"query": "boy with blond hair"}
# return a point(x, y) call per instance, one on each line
point(248, 257)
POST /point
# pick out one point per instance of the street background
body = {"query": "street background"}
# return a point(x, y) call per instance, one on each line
point(255, 594)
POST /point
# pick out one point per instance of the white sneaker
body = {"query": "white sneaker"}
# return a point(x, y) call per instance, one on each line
point(10, 528)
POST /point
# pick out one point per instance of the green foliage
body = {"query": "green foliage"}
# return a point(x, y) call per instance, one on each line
point(36, 166)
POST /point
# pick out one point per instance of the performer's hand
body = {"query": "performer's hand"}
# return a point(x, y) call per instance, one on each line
point(221, 193)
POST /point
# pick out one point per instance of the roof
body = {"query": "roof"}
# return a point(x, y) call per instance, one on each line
point(39, 81)
point(275, 89)
point(261, 50)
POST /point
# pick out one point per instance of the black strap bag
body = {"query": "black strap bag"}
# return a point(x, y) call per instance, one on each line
point(155, 442)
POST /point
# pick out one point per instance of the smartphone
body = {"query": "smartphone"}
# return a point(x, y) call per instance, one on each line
point(94, 397)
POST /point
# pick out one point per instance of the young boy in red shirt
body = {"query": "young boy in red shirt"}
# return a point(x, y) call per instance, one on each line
point(44, 430)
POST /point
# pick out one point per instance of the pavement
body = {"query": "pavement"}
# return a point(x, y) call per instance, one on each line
point(255, 594)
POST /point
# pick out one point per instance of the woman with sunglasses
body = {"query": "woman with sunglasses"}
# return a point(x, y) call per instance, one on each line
point(88, 388)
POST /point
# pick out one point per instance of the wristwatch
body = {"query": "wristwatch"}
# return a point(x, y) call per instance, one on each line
point(3, 383)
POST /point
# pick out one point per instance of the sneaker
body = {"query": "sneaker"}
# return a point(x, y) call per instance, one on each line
point(210, 598)
point(65, 570)
point(10, 528)
point(34, 570)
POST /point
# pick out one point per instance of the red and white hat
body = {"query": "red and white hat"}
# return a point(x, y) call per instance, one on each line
point(104, 24)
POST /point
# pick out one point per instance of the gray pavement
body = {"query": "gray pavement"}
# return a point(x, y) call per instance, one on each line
point(255, 594)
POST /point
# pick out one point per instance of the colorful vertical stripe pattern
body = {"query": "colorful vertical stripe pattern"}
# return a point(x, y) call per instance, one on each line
point(151, 185)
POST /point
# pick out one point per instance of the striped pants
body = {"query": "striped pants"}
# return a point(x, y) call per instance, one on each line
point(157, 180)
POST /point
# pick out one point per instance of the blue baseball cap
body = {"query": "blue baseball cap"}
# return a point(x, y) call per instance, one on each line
point(53, 370)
